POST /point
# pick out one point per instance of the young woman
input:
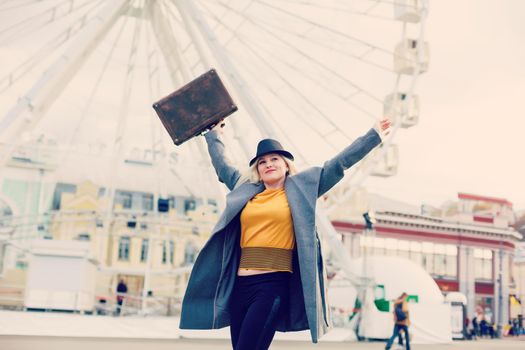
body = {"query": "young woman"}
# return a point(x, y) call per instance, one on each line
point(262, 269)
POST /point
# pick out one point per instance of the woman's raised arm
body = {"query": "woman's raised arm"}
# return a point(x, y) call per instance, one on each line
point(227, 173)
point(333, 170)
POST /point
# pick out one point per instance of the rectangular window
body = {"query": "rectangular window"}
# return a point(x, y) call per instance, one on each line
point(3, 248)
point(489, 259)
point(379, 246)
point(451, 269)
point(123, 248)
point(511, 271)
point(173, 202)
point(391, 246)
point(483, 261)
point(427, 249)
point(439, 259)
point(415, 253)
point(416, 257)
point(172, 252)
point(147, 201)
point(83, 237)
point(189, 204)
point(440, 264)
point(61, 188)
point(124, 199)
point(403, 249)
point(164, 252)
point(144, 250)
point(366, 245)
point(452, 266)
point(487, 269)
point(478, 268)
point(428, 262)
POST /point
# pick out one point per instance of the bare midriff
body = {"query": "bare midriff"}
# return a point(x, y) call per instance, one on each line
point(248, 272)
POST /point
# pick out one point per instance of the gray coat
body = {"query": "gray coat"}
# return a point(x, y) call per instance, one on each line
point(207, 299)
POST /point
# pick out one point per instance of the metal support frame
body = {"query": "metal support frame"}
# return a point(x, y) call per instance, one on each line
point(171, 51)
point(349, 190)
point(188, 10)
point(32, 106)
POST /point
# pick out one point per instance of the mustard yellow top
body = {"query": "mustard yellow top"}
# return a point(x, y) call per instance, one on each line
point(266, 221)
point(267, 236)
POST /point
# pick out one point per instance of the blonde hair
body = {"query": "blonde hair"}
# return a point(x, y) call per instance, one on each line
point(252, 175)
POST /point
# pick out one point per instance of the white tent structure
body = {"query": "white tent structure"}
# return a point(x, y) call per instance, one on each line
point(61, 276)
point(430, 316)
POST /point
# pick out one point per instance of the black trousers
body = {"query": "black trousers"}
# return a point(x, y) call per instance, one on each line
point(257, 303)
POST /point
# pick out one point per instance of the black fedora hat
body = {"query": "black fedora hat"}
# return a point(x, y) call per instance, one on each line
point(270, 146)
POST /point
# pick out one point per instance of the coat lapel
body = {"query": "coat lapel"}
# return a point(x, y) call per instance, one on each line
point(235, 201)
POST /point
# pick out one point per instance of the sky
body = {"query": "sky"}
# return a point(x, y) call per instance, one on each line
point(470, 137)
point(470, 134)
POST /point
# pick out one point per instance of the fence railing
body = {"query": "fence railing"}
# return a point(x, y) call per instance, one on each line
point(12, 297)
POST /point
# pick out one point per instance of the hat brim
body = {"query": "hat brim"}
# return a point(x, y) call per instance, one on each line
point(283, 153)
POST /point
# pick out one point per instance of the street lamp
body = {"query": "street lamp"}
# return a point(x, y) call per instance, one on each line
point(369, 220)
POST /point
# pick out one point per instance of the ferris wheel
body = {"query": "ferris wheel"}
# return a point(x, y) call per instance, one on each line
point(314, 74)
point(78, 78)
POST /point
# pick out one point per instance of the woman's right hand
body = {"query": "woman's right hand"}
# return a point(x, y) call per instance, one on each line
point(383, 127)
point(219, 127)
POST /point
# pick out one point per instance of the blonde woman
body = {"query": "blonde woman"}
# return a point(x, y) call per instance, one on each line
point(262, 268)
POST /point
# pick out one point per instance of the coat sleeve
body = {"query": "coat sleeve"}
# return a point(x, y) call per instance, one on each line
point(227, 173)
point(333, 170)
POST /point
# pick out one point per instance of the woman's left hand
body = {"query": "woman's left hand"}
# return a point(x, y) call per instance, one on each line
point(384, 127)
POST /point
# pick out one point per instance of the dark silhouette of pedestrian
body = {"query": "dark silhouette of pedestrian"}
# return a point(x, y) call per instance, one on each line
point(401, 320)
point(122, 289)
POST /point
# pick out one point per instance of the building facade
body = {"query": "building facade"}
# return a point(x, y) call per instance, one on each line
point(517, 303)
point(462, 248)
point(146, 242)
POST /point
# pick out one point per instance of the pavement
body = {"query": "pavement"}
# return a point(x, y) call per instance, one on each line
point(10, 342)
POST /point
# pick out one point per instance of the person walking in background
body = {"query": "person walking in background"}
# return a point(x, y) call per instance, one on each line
point(515, 327)
point(475, 326)
point(466, 329)
point(484, 328)
point(122, 289)
point(401, 321)
point(492, 330)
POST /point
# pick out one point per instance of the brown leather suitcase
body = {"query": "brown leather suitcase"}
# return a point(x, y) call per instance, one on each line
point(195, 108)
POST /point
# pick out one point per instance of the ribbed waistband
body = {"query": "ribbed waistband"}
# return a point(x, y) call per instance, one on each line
point(266, 258)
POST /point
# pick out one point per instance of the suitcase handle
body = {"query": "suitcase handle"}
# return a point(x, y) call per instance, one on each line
point(221, 123)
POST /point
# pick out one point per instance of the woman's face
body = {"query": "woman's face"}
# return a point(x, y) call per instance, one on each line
point(272, 168)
